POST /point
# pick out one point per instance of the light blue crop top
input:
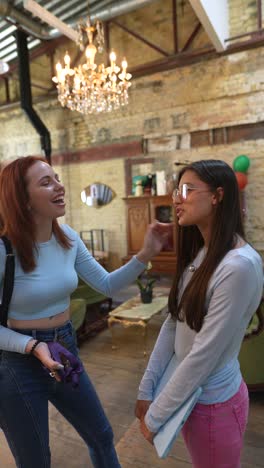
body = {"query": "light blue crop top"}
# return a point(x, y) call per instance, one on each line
point(46, 290)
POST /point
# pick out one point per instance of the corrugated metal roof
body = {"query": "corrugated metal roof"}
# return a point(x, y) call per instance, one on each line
point(68, 11)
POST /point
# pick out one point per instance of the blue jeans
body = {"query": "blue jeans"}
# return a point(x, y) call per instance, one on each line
point(26, 389)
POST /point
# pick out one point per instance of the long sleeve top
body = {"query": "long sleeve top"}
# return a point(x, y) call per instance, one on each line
point(46, 290)
point(233, 295)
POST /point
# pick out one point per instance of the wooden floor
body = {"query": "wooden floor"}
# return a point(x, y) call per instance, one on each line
point(116, 375)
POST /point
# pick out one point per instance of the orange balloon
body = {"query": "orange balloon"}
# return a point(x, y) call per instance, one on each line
point(241, 180)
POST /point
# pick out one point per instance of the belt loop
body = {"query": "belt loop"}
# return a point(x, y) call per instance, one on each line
point(55, 334)
point(34, 334)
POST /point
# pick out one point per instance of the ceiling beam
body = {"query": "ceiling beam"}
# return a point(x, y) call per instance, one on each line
point(192, 37)
point(183, 59)
point(175, 26)
point(141, 38)
point(50, 19)
point(259, 14)
point(213, 14)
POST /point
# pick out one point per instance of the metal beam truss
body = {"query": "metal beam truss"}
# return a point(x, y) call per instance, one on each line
point(179, 58)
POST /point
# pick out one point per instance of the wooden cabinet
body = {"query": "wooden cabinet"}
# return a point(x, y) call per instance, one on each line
point(141, 211)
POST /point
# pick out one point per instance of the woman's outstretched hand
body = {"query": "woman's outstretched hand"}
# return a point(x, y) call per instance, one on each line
point(156, 238)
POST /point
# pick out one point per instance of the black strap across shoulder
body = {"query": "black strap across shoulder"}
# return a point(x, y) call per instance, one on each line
point(8, 281)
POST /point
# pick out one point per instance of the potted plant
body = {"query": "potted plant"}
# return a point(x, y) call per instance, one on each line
point(145, 284)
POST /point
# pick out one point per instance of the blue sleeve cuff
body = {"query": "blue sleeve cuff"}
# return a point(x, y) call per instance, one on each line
point(13, 341)
point(150, 422)
point(139, 262)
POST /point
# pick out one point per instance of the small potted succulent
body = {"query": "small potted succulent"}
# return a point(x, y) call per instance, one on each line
point(145, 283)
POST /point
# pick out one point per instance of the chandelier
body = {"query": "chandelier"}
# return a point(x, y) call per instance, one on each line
point(89, 88)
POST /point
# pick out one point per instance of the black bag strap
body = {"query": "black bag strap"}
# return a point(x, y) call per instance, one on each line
point(8, 281)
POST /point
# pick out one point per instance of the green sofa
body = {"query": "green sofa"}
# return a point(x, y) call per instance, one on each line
point(252, 352)
point(89, 311)
point(78, 311)
point(84, 291)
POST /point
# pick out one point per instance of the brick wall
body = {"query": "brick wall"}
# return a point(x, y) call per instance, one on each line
point(243, 16)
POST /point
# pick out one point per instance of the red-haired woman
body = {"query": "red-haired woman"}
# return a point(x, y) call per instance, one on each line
point(48, 258)
point(217, 287)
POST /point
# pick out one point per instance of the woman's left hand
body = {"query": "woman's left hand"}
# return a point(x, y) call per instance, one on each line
point(149, 436)
point(141, 408)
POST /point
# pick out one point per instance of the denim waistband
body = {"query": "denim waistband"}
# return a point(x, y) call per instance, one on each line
point(49, 334)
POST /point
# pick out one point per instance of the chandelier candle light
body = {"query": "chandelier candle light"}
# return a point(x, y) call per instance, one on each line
point(89, 88)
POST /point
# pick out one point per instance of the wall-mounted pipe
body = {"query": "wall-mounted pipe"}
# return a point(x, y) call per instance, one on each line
point(13, 15)
point(119, 8)
point(26, 95)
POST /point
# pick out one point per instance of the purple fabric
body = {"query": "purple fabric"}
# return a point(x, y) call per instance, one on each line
point(72, 365)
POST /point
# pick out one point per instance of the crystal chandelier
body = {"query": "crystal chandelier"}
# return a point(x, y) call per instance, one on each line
point(89, 88)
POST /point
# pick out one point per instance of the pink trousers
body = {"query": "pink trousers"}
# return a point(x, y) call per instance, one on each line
point(214, 433)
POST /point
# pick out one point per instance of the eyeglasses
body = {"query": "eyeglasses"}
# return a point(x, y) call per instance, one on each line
point(183, 191)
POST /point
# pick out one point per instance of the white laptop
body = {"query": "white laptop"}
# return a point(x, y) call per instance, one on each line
point(168, 433)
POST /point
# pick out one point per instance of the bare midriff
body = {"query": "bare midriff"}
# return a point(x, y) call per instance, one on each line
point(53, 321)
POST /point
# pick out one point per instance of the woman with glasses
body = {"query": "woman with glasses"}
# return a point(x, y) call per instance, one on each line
point(216, 289)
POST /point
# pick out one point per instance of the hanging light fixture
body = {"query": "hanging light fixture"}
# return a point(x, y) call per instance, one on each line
point(89, 88)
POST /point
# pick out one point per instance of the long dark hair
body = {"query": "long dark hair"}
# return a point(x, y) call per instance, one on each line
point(227, 223)
point(16, 221)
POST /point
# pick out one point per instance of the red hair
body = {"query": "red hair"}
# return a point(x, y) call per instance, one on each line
point(16, 221)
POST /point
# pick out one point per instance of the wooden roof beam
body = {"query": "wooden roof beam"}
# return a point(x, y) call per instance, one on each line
point(213, 15)
point(141, 38)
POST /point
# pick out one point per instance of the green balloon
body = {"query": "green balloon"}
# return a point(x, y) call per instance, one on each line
point(241, 163)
